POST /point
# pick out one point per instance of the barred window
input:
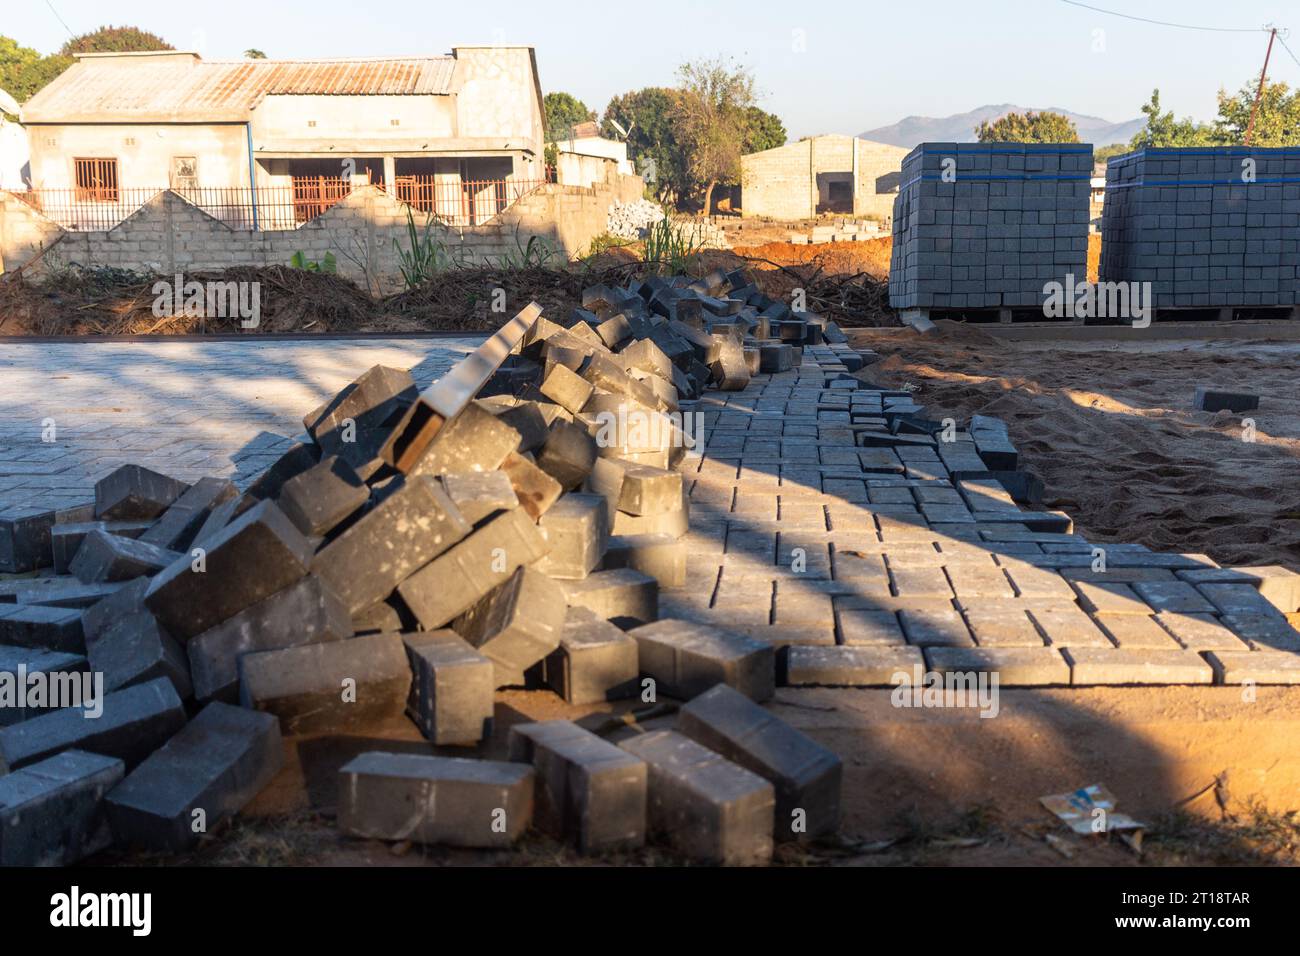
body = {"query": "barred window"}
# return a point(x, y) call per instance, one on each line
point(96, 179)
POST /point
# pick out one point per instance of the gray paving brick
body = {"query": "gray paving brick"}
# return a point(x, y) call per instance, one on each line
point(806, 776)
point(135, 721)
point(1015, 666)
point(1258, 667)
point(594, 662)
point(441, 800)
point(334, 686)
point(202, 776)
point(703, 806)
point(841, 666)
point(451, 698)
point(685, 659)
point(51, 812)
point(307, 612)
point(587, 789)
point(1089, 665)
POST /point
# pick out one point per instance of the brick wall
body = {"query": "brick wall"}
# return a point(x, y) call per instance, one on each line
point(169, 235)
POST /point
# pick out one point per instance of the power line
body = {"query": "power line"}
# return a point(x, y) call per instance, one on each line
point(1163, 23)
point(49, 4)
point(1287, 48)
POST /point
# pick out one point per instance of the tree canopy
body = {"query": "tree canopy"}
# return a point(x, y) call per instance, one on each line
point(712, 113)
point(764, 130)
point(1029, 127)
point(652, 144)
point(564, 111)
point(1277, 122)
point(24, 71)
point(690, 138)
point(115, 40)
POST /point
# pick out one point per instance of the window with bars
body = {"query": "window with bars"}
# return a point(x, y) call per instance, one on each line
point(96, 179)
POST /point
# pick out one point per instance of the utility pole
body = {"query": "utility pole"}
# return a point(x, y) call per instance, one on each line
point(1250, 129)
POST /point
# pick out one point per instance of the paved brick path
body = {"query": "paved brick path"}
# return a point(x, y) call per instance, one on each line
point(869, 560)
point(865, 560)
point(185, 408)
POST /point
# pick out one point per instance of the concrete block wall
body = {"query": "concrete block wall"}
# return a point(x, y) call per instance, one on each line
point(1206, 226)
point(879, 178)
point(777, 183)
point(1006, 220)
point(789, 182)
point(363, 231)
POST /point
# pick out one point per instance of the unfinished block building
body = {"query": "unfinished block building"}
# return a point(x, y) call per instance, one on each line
point(821, 174)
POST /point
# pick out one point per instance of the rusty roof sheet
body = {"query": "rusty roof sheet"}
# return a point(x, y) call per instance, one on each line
point(198, 89)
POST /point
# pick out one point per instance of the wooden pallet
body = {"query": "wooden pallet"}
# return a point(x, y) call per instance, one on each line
point(1008, 315)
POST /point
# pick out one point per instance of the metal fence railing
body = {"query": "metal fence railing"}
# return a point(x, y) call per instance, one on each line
point(452, 201)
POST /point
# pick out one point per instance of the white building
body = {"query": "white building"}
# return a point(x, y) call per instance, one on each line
point(458, 134)
point(14, 153)
point(583, 157)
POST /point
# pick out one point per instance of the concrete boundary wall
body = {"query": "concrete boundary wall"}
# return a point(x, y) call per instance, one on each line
point(364, 232)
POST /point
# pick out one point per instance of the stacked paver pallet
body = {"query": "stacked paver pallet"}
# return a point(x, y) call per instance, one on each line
point(417, 554)
point(1206, 226)
point(988, 225)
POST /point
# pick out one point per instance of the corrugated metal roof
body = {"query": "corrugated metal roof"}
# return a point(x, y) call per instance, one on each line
point(182, 88)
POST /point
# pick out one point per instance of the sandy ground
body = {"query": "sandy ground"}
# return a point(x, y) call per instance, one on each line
point(1213, 775)
point(1110, 428)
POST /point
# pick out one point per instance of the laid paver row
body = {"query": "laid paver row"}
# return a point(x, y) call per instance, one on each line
point(864, 551)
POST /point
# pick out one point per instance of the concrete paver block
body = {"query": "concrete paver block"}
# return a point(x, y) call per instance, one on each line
point(702, 805)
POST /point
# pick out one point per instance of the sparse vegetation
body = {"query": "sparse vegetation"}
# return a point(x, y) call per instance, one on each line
point(670, 244)
point(328, 265)
point(425, 254)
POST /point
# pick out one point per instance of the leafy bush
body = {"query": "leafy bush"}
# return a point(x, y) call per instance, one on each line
point(328, 265)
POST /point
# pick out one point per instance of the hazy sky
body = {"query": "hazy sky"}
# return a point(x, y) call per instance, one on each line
point(822, 66)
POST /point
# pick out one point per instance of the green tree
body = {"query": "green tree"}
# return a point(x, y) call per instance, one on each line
point(23, 70)
point(647, 120)
point(712, 113)
point(1164, 129)
point(1029, 127)
point(1103, 153)
point(563, 112)
point(115, 40)
point(764, 130)
point(253, 53)
point(1277, 122)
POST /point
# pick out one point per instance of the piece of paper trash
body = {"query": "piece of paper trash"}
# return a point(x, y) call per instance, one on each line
point(1090, 810)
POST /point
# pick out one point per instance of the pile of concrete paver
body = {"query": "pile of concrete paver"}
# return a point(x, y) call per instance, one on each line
point(416, 553)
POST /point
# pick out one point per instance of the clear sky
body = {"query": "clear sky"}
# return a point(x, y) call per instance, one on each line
point(822, 65)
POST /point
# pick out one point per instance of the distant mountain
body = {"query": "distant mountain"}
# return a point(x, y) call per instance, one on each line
point(960, 127)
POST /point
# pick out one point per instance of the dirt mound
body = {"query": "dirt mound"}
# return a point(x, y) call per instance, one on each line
point(835, 258)
point(117, 302)
point(113, 302)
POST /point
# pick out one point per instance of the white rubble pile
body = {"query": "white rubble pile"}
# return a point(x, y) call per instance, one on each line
point(632, 220)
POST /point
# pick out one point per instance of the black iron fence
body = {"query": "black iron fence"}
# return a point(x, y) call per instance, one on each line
point(453, 201)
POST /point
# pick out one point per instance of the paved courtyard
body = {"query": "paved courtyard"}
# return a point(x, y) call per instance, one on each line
point(812, 525)
point(72, 412)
